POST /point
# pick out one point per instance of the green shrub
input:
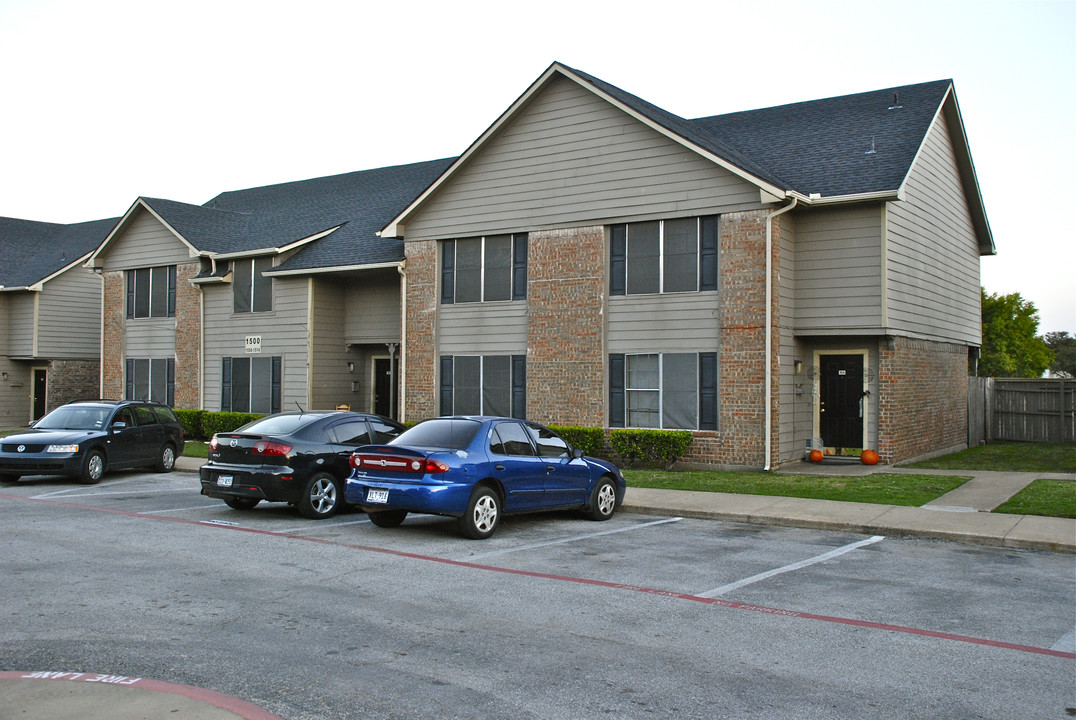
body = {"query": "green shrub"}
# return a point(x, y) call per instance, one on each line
point(590, 440)
point(652, 447)
point(222, 422)
point(192, 423)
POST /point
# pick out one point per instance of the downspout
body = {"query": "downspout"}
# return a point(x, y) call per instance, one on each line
point(769, 330)
point(401, 406)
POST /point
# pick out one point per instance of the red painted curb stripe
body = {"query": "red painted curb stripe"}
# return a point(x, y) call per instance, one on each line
point(242, 708)
point(587, 581)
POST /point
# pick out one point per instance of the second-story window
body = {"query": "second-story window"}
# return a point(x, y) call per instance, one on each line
point(484, 269)
point(151, 292)
point(251, 290)
point(663, 256)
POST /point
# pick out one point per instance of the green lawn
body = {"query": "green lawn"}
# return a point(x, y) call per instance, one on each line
point(1009, 457)
point(1055, 498)
point(884, 488)
point(196, 449)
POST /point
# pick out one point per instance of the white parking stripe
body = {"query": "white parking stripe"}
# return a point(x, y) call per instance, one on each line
point(471, 558)
point(1067, 643)
point(319, 524)
point(788, 568)
point(192, 507)
point(96, 494)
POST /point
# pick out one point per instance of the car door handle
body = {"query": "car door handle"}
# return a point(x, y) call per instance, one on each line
point(498, 467)
point(549, 468)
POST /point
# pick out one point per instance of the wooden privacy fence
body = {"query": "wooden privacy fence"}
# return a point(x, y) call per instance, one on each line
point(1036, 410)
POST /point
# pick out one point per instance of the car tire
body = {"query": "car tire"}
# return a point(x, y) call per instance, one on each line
point(387, 518)
point(602, 500)
point(166, 461)
point(321, 497)
point(241, 503)
point(483, 514)
point(93, 468)
point(8, 478)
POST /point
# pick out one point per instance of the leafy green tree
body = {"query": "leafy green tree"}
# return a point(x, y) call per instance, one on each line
point(1064, 347)
point(1010, 345)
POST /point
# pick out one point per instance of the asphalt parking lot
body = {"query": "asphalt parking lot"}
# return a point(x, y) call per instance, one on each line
point(553, 617)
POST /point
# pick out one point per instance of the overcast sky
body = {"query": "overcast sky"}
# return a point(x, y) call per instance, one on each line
point(107, 100)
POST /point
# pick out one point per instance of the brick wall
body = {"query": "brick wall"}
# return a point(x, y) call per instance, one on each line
point(923, 395)
point(565, 326)
point(70, 380)
point(420, 371)
point(188, 339)
point(114, 330)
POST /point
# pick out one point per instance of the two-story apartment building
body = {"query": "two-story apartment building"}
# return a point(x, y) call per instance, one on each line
point(50, 316)
point(262, 299)
point(770, 280)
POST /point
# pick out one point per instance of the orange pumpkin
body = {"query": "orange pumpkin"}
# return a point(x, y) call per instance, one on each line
point(869, 457)
point(815, 456)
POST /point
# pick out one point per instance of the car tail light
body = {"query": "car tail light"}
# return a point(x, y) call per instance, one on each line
point(396, 463)
point(213, 443)
point(267, 447)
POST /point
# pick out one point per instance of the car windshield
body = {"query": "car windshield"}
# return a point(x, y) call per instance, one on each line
point(278, 424)
point(75, 418)
point(446, 433)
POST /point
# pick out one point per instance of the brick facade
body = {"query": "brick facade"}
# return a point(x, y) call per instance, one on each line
point(114, 329)
point(70, 380)
point(923, 394)
point(565, 326)
point(420, 352)
point(188, 339)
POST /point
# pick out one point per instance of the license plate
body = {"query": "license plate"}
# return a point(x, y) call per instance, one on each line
point(377, 496)
point(224, 481)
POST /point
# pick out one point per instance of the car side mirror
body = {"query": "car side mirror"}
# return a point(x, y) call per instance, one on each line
point(118, 425)
point(577, 453)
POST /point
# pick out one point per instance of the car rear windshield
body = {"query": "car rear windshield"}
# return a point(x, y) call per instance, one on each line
point(446, 433)
point(278, 424)
point(75, 417)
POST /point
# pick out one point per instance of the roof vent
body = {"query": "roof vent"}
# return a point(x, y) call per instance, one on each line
point(896, 102)
point(872, 151)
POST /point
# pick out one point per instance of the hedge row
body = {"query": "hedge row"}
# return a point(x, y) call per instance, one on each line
point(202, 424)
point(590, 440)
point(652, 447)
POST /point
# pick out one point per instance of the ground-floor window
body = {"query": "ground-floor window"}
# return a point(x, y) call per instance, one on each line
point(152, 379)
point(663, 390)
point(250, 384)
point(484, 385)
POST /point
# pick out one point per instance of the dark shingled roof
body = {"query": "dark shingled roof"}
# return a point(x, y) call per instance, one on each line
point(360, 202)
point(32, 251)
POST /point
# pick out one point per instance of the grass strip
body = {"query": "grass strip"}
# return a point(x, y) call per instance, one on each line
point(883, 488)
point(1053, 498)
point(1008, 457)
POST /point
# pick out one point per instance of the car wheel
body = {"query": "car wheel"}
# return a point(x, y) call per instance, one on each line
point(320, 498)
point(602, 500)
point(483, 514)
point(166, 462)
point(93, 468)
point(387, 518)
point(9, 478)
point(241, 503)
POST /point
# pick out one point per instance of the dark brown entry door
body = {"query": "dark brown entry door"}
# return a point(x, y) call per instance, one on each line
point(840, 401)
point(384, 384)
point(40, 386)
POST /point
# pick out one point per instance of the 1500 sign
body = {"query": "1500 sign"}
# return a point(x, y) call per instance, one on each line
point(253, 344)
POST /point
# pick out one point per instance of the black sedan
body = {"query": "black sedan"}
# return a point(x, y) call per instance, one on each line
point(300, 458)
point(84, 439)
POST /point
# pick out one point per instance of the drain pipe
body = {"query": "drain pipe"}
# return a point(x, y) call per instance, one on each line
point(401, 406)
point(769, 330)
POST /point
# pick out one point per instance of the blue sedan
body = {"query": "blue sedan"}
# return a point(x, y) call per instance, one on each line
point(477, 469)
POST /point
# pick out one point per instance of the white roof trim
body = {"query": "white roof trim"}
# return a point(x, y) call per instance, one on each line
point(275, 250)
point(394, 228)
point(334, 269)
point(92, 260)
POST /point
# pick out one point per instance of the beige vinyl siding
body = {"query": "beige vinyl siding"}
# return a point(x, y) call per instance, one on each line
point(373, 308)
point(69, 315)
point(570, 158)
point(21, 309)
point(794, 414)
point(673, 322)
point(283, 332)
point(144, 243)
point(490, 328)
point(330, 383)
point(4, 301)
point(16, 408)
point(838, 270)
point(933, 253)
point(150, 338)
